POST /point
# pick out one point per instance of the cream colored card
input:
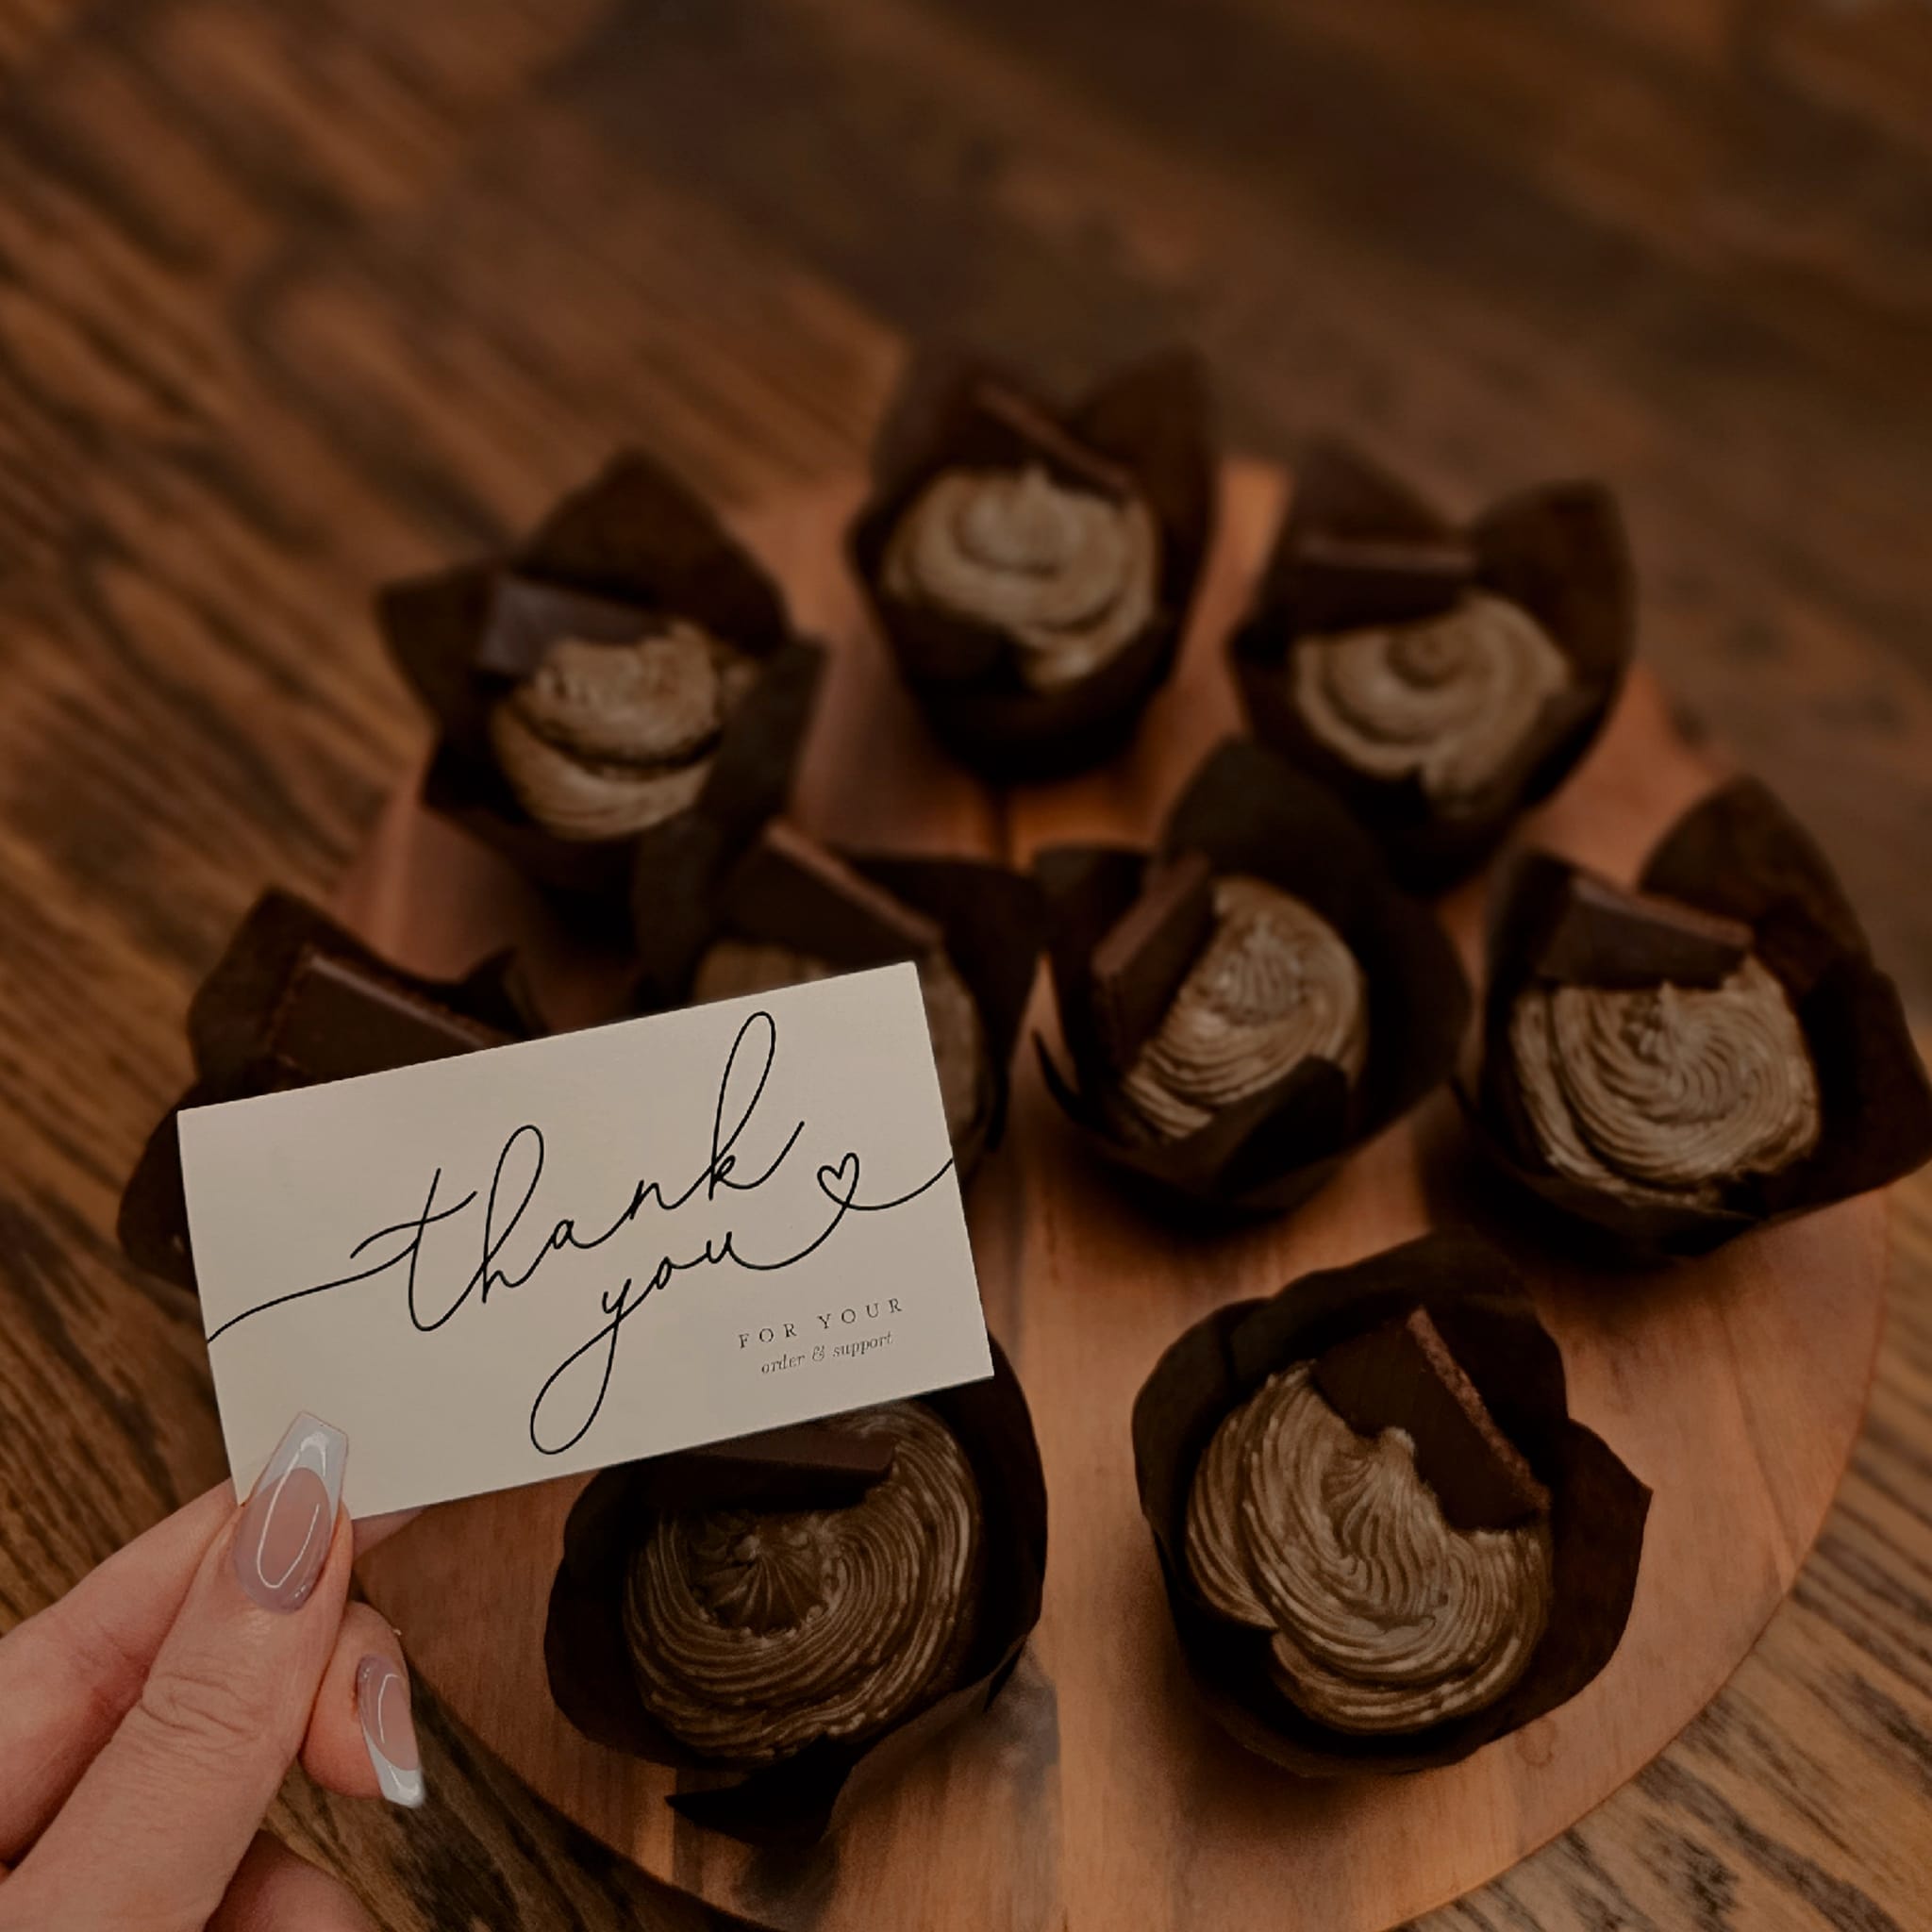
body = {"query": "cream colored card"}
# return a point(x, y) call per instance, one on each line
point(514, 1264)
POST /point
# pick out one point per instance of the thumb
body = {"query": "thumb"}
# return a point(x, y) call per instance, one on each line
point(155, 1830)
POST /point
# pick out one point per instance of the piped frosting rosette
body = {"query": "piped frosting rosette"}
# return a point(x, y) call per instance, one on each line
point(787, 1618)
point(1711, 1050)
point(1275, 985)
point(1031, 567)
point(1665, 1093)
point(1441, 679)
point(1381, 1616)
point(604, 741)
point(1069, 575)
point(1244, 1004)
point(1384, 1541)
point(1450, 701)
point(623, 685)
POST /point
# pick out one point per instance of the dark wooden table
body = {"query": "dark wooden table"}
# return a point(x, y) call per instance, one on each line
point(297, 296)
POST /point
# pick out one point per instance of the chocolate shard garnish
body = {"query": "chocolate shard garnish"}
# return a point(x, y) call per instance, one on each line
point(1137, 967)
point(808, 1465)
point(1034, 426)
point(790, 889)
point(337, 1019)
point(1402, 1376)
point(1340, 578)
point(1600, 934)
point(527, 617)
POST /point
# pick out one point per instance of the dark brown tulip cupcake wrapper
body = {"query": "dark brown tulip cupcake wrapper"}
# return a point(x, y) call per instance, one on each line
point(294, 1002)
point(1738, 854)
point(1597, 1506)
point(799, 1799)
point(989, 921)
point(633, 540)
point(1558, 550)
point(1144, 430)
point(1249, 812)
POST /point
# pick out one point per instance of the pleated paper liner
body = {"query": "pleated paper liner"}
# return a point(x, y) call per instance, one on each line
point(632, 542)
point(1738, 854)
point(1557, 550)
point(1251, 813)
point(1146, 428)
point(294, 1000)
point(1597, 1508)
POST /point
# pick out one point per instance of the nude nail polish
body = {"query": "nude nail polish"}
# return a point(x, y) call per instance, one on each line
point(382, 1701)
point(282, 1540)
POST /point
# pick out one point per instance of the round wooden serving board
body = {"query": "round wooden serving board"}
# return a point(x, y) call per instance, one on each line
point(1093, 1793)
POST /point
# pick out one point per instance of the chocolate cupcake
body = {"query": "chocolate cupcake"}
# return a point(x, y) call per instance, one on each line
point(1032, 568)
point(297, 1001)
point(1384, 1544)
point(1247, 1003)
point(1442, 680)
point(755, 1632)
point(792, 910)
point(625, 680)
point(1716, 1050)
point(768, 1613)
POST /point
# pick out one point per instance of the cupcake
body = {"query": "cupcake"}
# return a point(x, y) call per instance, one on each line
point(755, 1632)
point(1442, 680)
point(1250, 1002)
point(297, 1001)
point(1032, 568)
point(769, 1613)
point(1715, 1050)
point(627, 672)
point(792, 910)
point(1384, 1544)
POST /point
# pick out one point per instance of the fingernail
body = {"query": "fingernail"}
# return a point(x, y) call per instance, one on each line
point(284, 1535)
point(382, 1701)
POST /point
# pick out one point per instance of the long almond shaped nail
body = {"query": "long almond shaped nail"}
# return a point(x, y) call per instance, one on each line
point(382, 1702)
point(282, 1542)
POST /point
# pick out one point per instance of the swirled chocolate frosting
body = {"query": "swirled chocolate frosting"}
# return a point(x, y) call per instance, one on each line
point(1384, 1618)
point(1275, 985)
point(1068, 575)
point(753, 1633)
point(1666, 1091)
point(731, 967)
point(1452, 699)
point(605, 740)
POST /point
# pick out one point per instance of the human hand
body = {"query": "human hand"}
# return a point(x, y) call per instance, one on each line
point(147, 1719)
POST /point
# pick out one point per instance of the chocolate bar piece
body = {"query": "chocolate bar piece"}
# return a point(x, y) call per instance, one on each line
point(337, 1019)
point(791, 891)
point(805, 1466)
point(1142, 959)
point(527, 617)
point(1402, 1376)
point(1604, 935)
point(1035, 427)
point(1359, 580)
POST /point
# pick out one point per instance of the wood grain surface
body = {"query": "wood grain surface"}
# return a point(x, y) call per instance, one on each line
point(294, 298)
point(1095, 1794)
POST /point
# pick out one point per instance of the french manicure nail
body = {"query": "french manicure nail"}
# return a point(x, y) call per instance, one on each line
point(282, 1540)
point(382, 1701)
